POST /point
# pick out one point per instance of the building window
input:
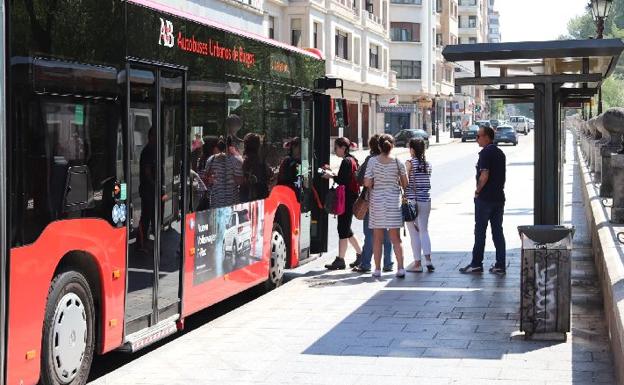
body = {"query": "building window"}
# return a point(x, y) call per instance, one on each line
point(406, 69)
point(439, 40)
point(271, 27)
point(472, 22)
point(317, 35)
point(416, 2)
point(356, 50)
point(439, 6)
point(448, 75)
point(469, 3)
point(342, 45)
point(373, 55)
point(295, 32)
point(472, 40)
point(405, 31)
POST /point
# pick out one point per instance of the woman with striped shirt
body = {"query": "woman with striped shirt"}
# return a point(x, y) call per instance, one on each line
point(419, 176)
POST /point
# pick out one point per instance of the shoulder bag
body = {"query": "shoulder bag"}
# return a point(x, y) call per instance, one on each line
point(409, 210)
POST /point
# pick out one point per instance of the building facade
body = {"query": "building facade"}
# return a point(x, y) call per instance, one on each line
point(469, 102)
point(354, 37)
point(413, 58)
point(494, 33)
point(245, 15)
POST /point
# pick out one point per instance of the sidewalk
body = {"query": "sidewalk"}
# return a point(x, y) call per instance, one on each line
point(441, 328)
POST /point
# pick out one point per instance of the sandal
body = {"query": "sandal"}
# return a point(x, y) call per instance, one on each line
point(415, 269)
point(430, 267)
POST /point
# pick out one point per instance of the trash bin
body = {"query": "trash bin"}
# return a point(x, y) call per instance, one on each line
point(545, 283)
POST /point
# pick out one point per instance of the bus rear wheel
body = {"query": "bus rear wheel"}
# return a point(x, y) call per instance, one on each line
point(68, 331)
point(279, 253)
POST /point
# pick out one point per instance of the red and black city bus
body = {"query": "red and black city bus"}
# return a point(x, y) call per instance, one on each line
point(152, 163)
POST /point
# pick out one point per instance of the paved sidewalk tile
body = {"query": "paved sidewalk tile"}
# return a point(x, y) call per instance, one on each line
point(442, 328)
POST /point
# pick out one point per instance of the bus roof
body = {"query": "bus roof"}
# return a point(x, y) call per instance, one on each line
point(203, 20)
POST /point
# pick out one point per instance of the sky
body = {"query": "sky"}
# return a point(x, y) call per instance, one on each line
point(532, 20)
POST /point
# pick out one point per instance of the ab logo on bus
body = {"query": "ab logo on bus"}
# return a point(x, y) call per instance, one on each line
point(166, 33)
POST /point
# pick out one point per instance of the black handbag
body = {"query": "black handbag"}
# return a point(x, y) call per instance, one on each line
point(409, 209)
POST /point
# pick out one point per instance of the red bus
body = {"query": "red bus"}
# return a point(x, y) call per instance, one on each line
point(152, 163)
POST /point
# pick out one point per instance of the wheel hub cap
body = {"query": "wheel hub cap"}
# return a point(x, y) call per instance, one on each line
point(278, 257)
point(69, 337)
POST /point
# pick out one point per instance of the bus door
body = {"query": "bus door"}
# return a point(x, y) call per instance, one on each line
point(156, 119)
point(319, 156)
point(306, 173)
point(3, 214)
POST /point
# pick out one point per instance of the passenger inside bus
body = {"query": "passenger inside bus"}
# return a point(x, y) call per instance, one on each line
point(223, 174)
point(289, 168)
point(256, 174)
point(147, 188)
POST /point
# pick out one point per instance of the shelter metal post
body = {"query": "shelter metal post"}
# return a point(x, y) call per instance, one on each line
point(547, 192)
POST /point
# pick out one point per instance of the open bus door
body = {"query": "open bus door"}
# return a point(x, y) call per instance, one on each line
point(3, 200)
point(321, 124)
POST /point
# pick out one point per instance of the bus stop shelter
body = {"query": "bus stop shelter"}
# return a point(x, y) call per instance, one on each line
point(549, 74)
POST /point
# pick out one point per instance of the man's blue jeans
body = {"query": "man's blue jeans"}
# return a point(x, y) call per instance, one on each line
point(491, 212)
point(367, 249)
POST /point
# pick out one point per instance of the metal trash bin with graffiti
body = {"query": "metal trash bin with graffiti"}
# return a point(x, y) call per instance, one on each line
point(545, 283)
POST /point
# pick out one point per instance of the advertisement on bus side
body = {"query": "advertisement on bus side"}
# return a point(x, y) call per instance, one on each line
point(227, 239)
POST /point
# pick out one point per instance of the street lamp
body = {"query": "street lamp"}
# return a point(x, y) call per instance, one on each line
point(451, 126)
point(435, 117)
point(600, 11)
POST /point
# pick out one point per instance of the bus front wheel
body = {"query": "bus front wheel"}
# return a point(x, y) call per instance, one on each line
point(68, 331)
point(279, 253)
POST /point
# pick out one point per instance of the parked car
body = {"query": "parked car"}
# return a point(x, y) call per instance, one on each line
point(402, 138)
point(520, 124)
point(483, 123)
point(470, 133)
point(237, 239)
point(457, 131)
point(531, 124)
point(495, 123)
point(506, 134)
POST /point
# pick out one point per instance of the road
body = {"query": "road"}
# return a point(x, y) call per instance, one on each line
point(452, 184)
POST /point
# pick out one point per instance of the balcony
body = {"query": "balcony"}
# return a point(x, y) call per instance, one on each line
point(392, 80)
point(348, 5)
point(373, 22)
point(256, 4)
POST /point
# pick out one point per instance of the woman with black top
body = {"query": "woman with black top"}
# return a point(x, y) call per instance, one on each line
point(345, 177)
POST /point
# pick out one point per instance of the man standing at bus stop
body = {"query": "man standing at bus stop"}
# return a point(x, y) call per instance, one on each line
point(489, 203)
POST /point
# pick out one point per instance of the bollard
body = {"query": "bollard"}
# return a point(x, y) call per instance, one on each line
point(617, 167)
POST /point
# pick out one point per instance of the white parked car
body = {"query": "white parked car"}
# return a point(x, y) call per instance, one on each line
point(237, 234)
point(520, 124)
point(531, 124)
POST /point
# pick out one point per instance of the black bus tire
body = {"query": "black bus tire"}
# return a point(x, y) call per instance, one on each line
point(278, 258)
point(69, 300)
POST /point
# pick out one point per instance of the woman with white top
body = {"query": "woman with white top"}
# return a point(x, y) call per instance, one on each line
point(419, 175)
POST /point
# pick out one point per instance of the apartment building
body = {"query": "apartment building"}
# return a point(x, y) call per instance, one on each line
point(447, 24)
point(494, 34)
point(469, 102)
point(245, 15)
point(413, 57)
point(354, 36)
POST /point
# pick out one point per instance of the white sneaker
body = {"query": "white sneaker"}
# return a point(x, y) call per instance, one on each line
point(400, 273)
point(376, 273)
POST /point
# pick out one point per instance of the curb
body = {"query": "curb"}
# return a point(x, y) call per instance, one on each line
point(609, 263)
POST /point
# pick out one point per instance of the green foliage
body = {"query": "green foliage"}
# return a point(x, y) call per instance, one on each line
point(497, 109)
point(581, 27)
point(584, 27)
point(613, 92)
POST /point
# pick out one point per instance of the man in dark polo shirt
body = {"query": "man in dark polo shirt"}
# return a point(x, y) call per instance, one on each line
point(489, 203)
